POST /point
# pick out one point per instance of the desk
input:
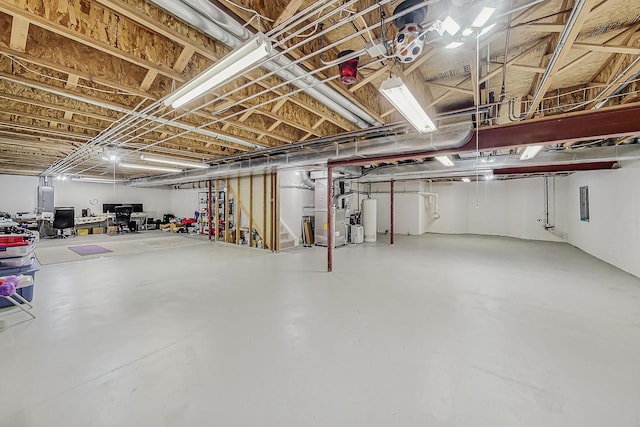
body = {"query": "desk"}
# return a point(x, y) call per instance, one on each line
point(92, 222)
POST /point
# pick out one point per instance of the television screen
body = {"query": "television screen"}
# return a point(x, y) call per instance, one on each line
point(110, 207)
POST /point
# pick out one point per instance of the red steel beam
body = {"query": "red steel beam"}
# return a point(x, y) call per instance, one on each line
point(555, 168)
point(604, 123)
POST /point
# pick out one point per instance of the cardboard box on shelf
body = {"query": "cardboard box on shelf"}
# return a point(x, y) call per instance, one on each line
point(82, 231)
point(113, 229)
point(98, 230)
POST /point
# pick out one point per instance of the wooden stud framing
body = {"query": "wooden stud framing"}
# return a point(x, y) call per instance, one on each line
point(19, 32)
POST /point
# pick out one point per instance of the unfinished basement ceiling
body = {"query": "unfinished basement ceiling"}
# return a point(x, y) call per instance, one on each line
point(82, 80)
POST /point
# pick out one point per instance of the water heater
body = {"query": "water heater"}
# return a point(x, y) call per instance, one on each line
point(370, 220)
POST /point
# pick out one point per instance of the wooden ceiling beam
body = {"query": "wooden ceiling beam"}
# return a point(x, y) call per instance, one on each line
point(87, 40)
point(562, 53)
point(290, 9)
point(19, 33)
point(451, 88)
point(213, 55)
point(52, 106)
point(608, 48)
point(541, 28)
point(32, 116)
point(495, 72)
point(77, 75)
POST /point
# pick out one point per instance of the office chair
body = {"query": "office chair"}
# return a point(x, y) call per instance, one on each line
point(63, 219)
point(123, 217)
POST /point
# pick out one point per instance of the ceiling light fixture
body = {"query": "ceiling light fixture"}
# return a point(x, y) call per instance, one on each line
point(450, 26)
point(222, 71)
point(147, 167)
point(466, 180)
point(174, 162)
point(467, 32)
point(485, 30)
point(453, 45)
point(530, 152)
point(399, 95)
point(483, 17)
point(445, 160)
point(97, 180)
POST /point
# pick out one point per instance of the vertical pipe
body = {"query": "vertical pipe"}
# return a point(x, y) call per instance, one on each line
point(209, 209)
point(329, 219)
point(392, 199)
point(546, 201)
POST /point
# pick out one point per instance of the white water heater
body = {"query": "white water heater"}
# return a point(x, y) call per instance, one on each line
point(370, 220)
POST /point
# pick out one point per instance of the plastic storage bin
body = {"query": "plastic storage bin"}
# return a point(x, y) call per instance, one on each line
point(28, 269)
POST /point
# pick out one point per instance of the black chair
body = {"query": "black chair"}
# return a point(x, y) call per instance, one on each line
point(63, 219)
point(123, 218)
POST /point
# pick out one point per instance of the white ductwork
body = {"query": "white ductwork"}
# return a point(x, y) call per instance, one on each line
point(216, 23)
point(446, 138)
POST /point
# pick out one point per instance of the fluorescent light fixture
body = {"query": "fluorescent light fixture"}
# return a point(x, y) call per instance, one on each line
point(450, 26)
point(399, 95)
point(147, 167)
point(485, 30)
point(174, 162)
point(445, 160)
point(466, 179)
point(483, 17)
point(222, 71)
point(467, 32)
point(530, 152)
point(96, 180)
point(453, 45)
point(489, 177)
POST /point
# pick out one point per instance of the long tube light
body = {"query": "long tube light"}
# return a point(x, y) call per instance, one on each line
point(445, 160)
point(399, 95)
point(530, 152)
point(148, 167)
point(97, 180)
point(174, 162)
point(222, 71)
point(483, 17)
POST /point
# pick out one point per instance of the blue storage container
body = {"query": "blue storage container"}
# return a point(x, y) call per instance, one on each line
point(29, 268)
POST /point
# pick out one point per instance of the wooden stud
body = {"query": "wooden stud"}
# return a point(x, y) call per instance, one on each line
point(608, 48)
point(216, 220)
point(290, 10)
point(450, 88)
point(19, 33)
point(226, 210)
point(148, 80)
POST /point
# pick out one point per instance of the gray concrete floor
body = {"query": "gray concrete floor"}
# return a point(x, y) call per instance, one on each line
point(434, 331)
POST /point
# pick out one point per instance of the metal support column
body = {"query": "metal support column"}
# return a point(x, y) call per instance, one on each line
point(392, 222)
point(329, 219)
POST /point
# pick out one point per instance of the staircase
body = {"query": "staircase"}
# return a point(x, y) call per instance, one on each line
point(286, 241)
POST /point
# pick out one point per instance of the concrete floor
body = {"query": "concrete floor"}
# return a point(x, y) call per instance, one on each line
point(434, 331)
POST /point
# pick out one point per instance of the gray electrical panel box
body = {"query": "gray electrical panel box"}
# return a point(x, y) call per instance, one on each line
point(45, 199)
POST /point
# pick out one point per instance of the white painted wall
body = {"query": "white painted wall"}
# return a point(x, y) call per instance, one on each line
point(513, 208)
point(18, 193)
point(156, 201)
point(184, 203)
point(613, 231)
point(293, 200)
